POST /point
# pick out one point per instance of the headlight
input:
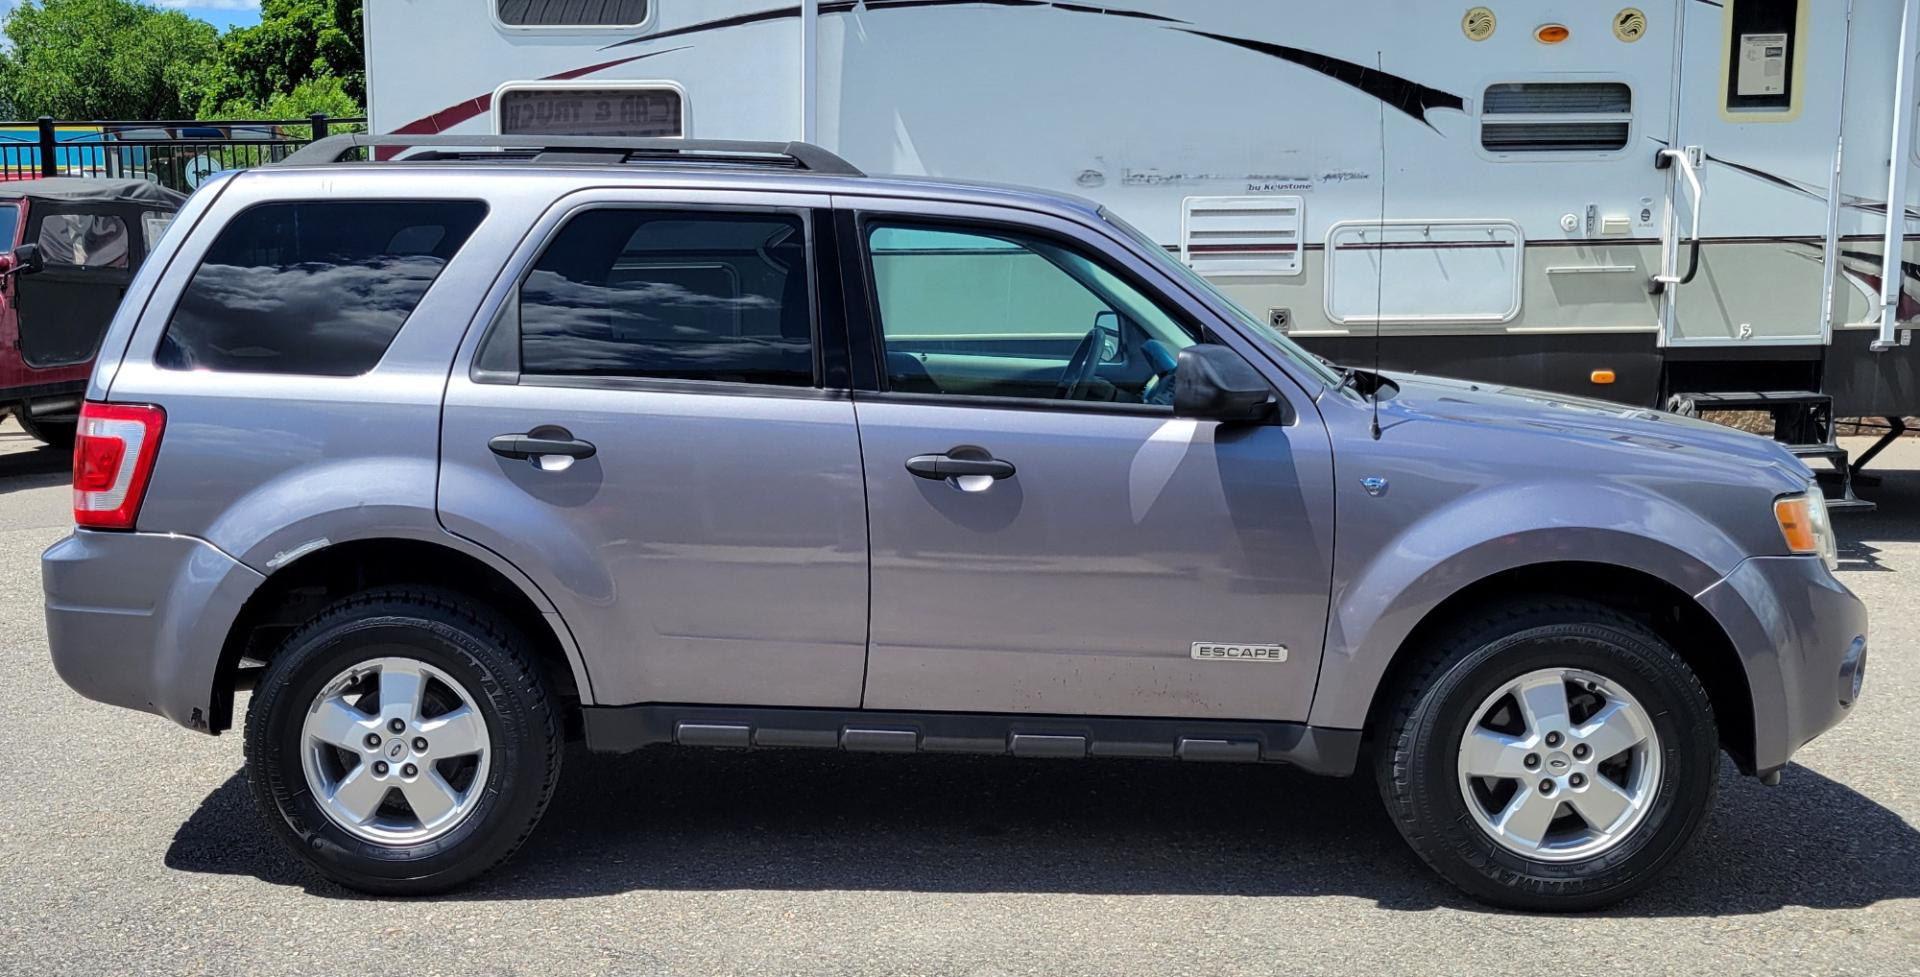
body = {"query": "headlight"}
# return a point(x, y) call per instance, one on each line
point(1805, 525)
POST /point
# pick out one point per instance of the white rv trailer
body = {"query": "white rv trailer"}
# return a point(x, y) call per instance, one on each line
point(1676, 203)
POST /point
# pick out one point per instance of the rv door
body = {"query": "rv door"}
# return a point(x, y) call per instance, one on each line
point(1759, 120)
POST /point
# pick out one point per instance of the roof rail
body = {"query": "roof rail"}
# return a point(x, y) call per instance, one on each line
point(581, 149)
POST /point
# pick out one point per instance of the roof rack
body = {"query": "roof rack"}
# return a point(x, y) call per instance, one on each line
point(581, 149)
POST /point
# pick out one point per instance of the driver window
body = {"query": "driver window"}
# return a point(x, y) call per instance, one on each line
point(1004, 315)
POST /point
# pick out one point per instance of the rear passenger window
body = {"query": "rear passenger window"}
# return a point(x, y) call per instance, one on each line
point(84, 240)
point(682, 296)
point(313, 288)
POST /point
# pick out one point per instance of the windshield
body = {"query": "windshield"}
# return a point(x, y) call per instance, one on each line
point(1273, 337)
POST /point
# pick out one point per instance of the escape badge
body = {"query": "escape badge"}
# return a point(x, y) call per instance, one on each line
point(1217, 651)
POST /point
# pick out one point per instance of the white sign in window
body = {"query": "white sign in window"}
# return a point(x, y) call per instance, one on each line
point(1763, 65)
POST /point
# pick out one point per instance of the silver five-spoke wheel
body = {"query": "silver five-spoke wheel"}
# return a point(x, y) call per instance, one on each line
point(1559, 764)
point(395, 751)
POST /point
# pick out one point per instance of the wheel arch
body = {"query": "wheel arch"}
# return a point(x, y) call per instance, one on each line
point(1688, 627)
point(293, 592)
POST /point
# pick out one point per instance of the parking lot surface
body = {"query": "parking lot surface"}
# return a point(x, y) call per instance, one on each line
point(130, 846)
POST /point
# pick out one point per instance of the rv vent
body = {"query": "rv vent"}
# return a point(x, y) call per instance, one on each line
point(572, 13)
point(1241, 235)
point(1556, 117)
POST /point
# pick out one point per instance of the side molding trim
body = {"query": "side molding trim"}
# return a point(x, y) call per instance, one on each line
point(617, 729)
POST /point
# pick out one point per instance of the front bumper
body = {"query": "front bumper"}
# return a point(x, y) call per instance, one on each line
point(1793, 624)
point(139, 619)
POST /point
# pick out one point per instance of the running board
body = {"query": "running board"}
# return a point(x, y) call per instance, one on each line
point(615, 729)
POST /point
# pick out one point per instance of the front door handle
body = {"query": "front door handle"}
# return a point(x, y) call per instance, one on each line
point(947, 466)
point(528, 446)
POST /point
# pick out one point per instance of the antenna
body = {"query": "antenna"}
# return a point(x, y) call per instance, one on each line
point(1380, 268)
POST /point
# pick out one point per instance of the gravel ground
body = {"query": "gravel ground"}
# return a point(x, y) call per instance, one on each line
point(133, 848)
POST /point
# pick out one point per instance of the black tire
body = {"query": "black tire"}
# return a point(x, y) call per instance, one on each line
point(469, 643)
point(59, 434)
point(1419, 737)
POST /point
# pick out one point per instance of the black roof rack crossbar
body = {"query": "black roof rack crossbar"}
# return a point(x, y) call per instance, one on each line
point(791, 155)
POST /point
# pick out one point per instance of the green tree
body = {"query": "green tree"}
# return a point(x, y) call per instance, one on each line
point(291, 54)
point(103, 59)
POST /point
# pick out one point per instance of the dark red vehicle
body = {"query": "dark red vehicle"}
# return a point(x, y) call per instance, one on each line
point(73, 245)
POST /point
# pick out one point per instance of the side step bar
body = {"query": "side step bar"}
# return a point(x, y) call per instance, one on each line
point(1317, 749)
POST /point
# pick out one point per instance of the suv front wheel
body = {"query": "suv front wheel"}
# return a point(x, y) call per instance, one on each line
point(1552, 755)
point(402, 742)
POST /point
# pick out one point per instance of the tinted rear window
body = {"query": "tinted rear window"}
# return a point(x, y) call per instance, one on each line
point(313, 288)
point(693, 296)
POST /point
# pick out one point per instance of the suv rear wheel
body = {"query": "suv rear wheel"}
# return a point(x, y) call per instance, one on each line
point(1552, 755)
point(402, 742)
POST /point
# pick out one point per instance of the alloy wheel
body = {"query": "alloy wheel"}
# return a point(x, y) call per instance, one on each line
point(1559, 764)
point(395, 751)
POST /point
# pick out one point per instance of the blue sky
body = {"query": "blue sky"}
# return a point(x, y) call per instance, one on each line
point(221, 13)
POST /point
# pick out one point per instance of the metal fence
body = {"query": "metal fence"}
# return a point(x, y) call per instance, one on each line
point(177, 154)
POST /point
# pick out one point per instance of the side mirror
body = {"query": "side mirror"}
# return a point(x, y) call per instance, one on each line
point(1215, 383)
point(27, 260)
point(1107, 323)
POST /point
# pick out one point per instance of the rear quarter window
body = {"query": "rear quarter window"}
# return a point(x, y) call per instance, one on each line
point(313, 288)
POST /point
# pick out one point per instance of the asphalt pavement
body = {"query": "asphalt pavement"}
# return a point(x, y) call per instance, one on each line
point(130, 846)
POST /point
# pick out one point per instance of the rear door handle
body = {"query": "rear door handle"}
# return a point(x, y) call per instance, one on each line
point(947, 466)
point(528, 446)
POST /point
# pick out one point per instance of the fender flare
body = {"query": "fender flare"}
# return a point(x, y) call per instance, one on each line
point(273, 559)
point(1487, 533)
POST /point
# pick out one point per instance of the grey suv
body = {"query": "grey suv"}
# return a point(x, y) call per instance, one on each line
point(490, 445)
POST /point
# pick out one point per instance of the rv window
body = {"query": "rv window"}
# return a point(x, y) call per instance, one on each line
point(313, 288)
point(1760, 66)
point(84, 240)
point(678, 296)
point(1556, 117)
point(611, 111)
point(571, 13)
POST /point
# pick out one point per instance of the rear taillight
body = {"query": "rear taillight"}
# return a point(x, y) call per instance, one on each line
point(112, 458)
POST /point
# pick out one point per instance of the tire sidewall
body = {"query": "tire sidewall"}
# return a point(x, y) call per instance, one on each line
point(510, 796)
point(55, 434)
point(1676, 707)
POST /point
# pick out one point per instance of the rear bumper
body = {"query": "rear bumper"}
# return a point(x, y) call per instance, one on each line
point(1793, 625)
point(139, 619)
